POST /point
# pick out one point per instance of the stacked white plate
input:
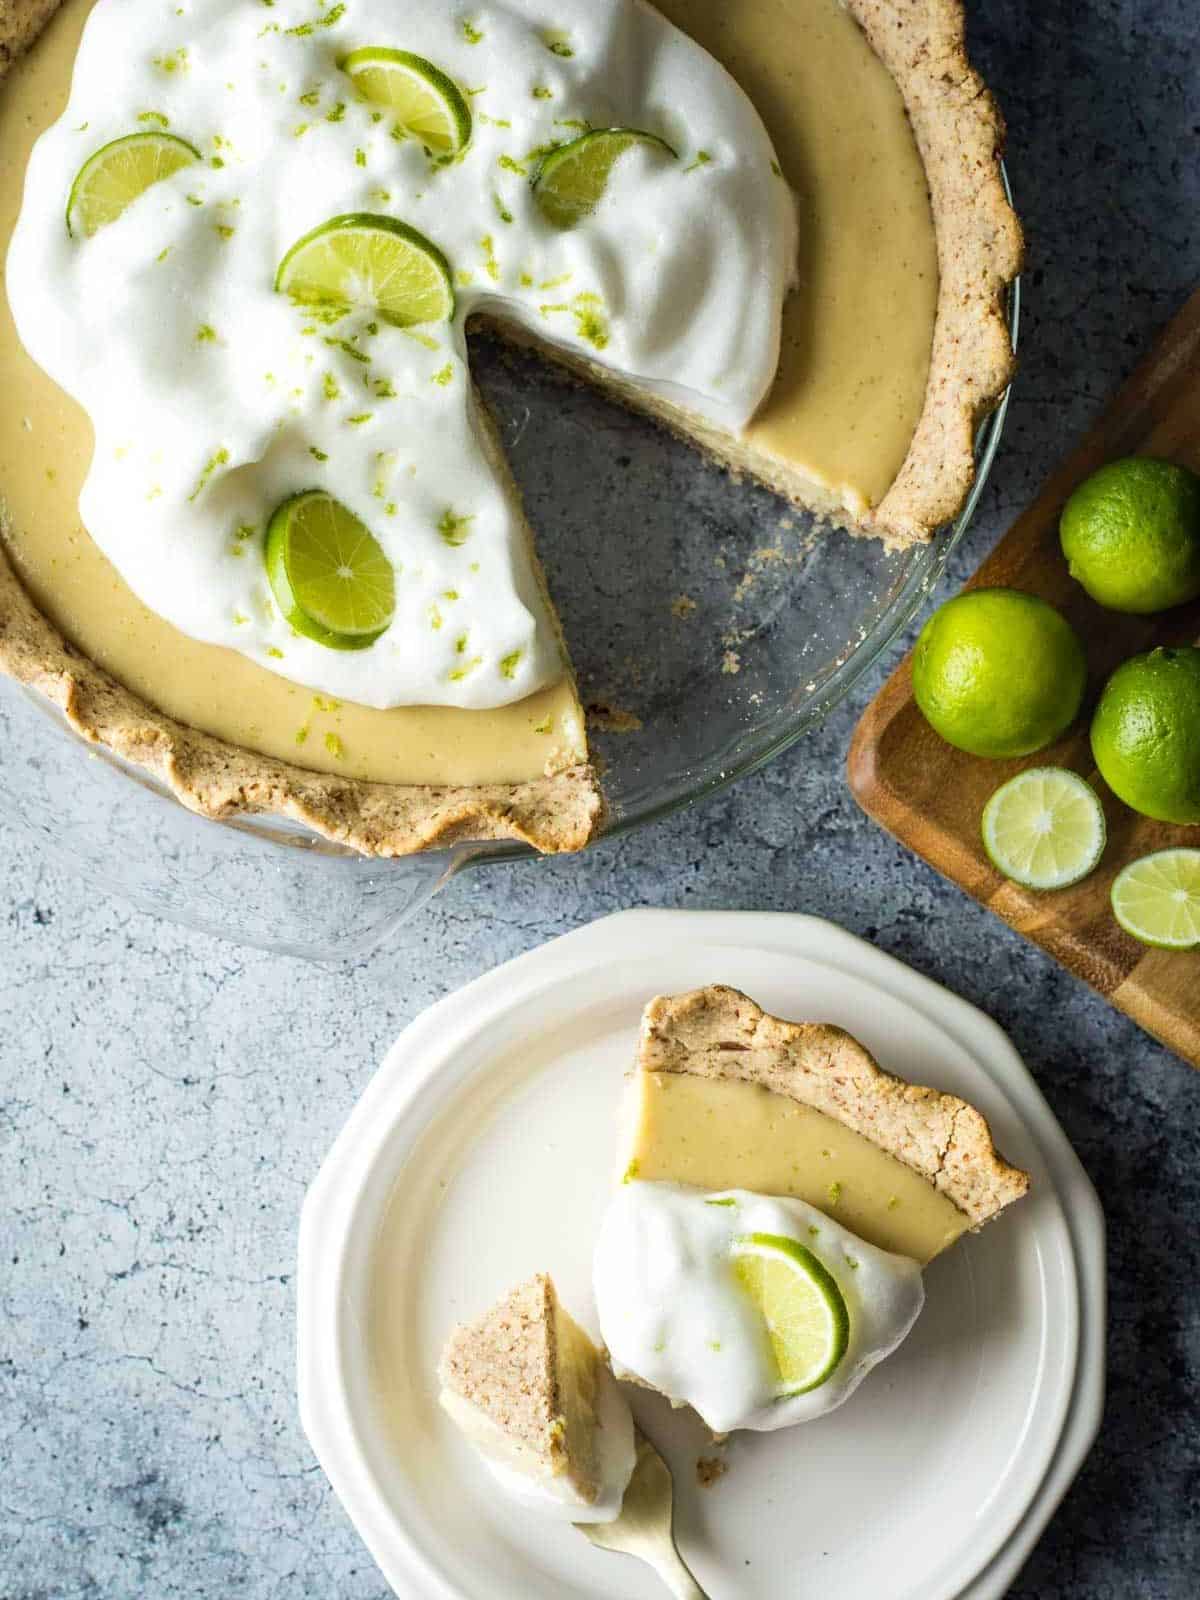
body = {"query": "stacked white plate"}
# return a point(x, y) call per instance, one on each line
point(489, 1129)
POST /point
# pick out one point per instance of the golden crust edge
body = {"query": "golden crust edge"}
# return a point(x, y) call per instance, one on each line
point(718, 1032)
point(960, 134)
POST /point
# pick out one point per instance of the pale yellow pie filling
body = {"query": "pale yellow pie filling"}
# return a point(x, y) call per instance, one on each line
point(720, 1133)
point(857, 338)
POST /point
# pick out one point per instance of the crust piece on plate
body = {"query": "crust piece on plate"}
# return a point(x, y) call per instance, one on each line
point(717, 1032)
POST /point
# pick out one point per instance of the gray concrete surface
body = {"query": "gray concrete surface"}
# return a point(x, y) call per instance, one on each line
point(165, 1097)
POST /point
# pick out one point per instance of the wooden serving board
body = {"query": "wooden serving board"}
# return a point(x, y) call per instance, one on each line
point(931, 796)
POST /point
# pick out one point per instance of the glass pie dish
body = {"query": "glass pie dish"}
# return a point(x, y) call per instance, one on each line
point(711, 625)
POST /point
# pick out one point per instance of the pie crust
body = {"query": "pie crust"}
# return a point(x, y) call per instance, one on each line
point(717, 1032)
point(959, 132)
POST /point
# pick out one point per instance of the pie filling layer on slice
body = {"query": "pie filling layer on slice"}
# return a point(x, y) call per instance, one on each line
point(535, 1397)
point(725, 1096)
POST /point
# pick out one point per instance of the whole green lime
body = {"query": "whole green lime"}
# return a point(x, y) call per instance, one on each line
point(1146, 734)
point(999, 673)
point(1131, 535)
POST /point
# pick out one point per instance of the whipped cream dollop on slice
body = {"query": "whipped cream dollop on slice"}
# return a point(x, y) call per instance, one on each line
point(213, 398)
point(553, 1494)
point(673, 1314)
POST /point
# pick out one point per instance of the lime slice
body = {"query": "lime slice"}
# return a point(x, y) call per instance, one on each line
point(118, 172)
point(1044, 828)
point(428, 105)
point(329, 575)
point(799, 1300)
point(572, 179)
point(1157, 899)
point(366, 260)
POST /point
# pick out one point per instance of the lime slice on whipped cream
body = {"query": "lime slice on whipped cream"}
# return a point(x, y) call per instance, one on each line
point(330, 577)
point(1044, 828)
point(807, 1323)
point(1157, 899)
point(427, 104)
point(118, 173)
point(363, 259)
point(571, 181)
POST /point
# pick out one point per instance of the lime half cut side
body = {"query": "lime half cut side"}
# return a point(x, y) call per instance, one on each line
point(807, 1323)
point(328, 573)
point(427, 104)
point(374, 261)
point(1044, 828)
point(118, 173)
point(571, 181)
point(1157, 899)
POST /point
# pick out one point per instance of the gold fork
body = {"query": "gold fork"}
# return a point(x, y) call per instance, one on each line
point(643, 1528)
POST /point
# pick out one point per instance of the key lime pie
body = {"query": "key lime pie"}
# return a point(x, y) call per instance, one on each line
point(537, 1400)
point(778, 1195)
point(261, 537)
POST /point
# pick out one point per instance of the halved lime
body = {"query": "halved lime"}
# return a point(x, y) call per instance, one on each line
point(329, 575)
point(571, 181)
point(807, 1323)
point(118, 172)
point(1157, 899)
point(367, 260)
point(428, 105)
point(1044, 828)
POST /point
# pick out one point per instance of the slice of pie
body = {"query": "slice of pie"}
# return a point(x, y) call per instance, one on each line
point(893, 345)
point(535, 1397)
point(724, 1096)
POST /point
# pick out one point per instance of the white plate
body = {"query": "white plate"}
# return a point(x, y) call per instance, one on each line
point(489, 1131)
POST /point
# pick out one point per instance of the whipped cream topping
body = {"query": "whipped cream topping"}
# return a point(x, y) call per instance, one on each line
point(555, 1496)
point(213, 398)
point(673, 1314)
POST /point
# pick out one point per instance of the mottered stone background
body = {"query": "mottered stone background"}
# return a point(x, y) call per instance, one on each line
point(165, 1097)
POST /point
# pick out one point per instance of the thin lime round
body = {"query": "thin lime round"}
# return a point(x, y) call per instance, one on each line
point(1131, 535)
point(807, 1323)
point(365, 260)
point(118, 173)
point(571, 181)
point(1146, 734)
point(1157, 899)
point(427, 103)
point(999, 673)
point(1044, 828)
point(329, 575)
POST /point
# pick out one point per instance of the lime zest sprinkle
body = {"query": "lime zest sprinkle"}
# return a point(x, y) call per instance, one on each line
point(466, 669)
point(460, 644)
point(454, 528)
point(494, 122)
point(224, 231)
point(218, 459)
point(334, 745)
point(502, 210)
point(331, 18)
point(435, 618)
point(163, 254)
point(301, 733)
point(445, 375)
point(347, 347)
point(193, 200)
point(544, 726)
point(556, 283)
point(359, 418)
point(491, 266)
point(336, 112)
point(703, 158)
point(360, 157)
point(510, 164)
point(330, 387)
point(526, 280)
point(557, 41)
point(383, 388)
point(835, 1192)
point(470, 32)
point(577, 123)
point(153, 116)
point(311, 97)
point(777, 169)
point(206, 333)
point(177, 61)
point(509, 663)
point(725, 1200)
point(893, 1202)
point(275, 653)
point(317, 455)
point(464, 276)
point(541, 92)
